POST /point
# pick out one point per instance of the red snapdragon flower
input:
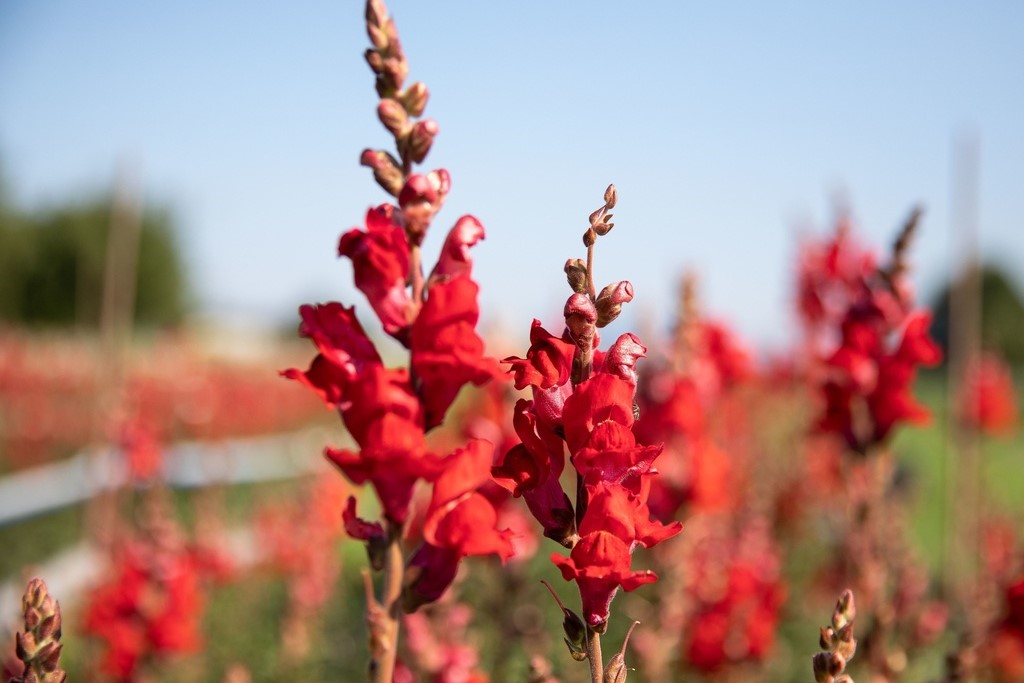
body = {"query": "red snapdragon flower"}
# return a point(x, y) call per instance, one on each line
point(460, 521)
point(151, 607)
point(988, 401)
point(599, 564)
point(380, 259)
point(447, 353)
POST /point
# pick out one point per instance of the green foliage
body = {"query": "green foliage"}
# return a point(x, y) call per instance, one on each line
point(53, 264)
point(1002, 315)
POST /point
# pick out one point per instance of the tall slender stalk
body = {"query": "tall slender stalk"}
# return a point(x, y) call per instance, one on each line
point(384, 616)
point(594, 655)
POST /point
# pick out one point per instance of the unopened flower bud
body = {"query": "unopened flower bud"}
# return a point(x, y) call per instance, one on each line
point(378, 38)
point(846, 605)
point(392, 114)
point(616, 670)
point(589, 237)
point(385, 170)
point(603, 227)
point(395, 71)
point(821, 664)
point(441, 181)
point(375, 60)
point(421, 139)
point(576, 274)
point(376, 12)
point(609, 197)
point(391, 31)
point(827, 639)
point(415, 98)
point(609, 301)
point(575, 630)
point(572, 625)
point(417, 190)
point(580, 315)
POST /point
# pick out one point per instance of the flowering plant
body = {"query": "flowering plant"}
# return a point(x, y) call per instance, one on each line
point(388, 411)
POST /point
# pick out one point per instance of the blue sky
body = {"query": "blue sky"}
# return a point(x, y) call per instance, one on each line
point(727, 127)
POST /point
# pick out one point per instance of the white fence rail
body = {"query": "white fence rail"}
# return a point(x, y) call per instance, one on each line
point(186, 465)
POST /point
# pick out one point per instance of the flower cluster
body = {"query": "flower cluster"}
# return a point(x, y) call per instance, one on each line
point(738, 593)
point(388, 411)
point(987, 400)
point(882, 340)
point(583, 400)
point(150, 608)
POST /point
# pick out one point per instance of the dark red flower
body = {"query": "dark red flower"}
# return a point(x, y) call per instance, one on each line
point(447, 353)
point(460, 521)
point(612, 454)
point(611, 507)
point(988, 401)
point(532, 469)
point(359, 528)
point(454, 259)
point(599, 564)
point(548, 361)
point(381, 392)
point(430, 571)
point(602, 398)
point(380, 259)
point(460, 518)
point(345, 351)
point(393, 459)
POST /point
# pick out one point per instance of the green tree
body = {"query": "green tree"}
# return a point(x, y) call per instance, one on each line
point(53, 264)
point(1002, 315)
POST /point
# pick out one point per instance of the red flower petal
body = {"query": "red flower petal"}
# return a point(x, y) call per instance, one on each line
point(603, 397)
point(447, 353)
point(380, 259)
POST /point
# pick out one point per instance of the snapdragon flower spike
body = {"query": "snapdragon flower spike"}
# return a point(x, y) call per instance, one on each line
point(882, 342)
point(584, 399)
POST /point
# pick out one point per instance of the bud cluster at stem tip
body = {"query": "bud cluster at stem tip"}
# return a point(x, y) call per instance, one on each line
point(837, 643)
point(38, 646)
point(398, 106)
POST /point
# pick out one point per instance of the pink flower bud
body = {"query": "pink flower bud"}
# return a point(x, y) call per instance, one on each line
point(415, 98)
point(393, 115)
point(386, 170)
point(418, 189)
point(421, 139)
point(609, 301)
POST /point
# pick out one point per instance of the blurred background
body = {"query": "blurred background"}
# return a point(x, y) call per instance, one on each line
point(174, 179)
